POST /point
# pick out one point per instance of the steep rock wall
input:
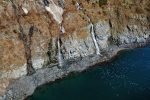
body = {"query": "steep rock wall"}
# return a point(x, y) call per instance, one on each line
point(115, 23)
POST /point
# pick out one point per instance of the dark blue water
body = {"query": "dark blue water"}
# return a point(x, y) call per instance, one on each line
point(126, 78)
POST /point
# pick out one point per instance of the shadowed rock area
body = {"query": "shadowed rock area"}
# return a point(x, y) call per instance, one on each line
point(46, 36)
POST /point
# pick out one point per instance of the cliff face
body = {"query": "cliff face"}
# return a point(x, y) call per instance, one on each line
point(38, 33)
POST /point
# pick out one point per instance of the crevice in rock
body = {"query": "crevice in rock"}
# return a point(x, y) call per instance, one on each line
point(110, 24)
point(55, 53)
point(52, 52)
point(60, 59)
point(26, 39)
point(148, 18)
point(128, 28)
point(27, 45)
point(46, 2)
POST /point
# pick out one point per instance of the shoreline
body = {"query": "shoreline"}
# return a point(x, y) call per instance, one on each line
point(46, 40)
point(25, 86)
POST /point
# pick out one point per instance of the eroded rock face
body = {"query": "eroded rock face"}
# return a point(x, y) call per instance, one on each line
point(115, 22)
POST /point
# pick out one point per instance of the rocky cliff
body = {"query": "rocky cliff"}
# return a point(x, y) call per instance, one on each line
point(56, 37)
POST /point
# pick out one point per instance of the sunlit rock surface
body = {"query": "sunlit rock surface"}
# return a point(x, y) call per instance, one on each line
point(115, 23)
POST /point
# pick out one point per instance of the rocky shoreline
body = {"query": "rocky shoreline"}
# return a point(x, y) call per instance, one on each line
point(45, 40)
point(25, 86)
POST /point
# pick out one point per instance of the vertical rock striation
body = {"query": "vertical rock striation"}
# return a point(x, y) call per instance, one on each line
point(39, 35)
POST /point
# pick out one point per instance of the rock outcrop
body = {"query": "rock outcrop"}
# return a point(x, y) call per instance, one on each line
point(62, 36)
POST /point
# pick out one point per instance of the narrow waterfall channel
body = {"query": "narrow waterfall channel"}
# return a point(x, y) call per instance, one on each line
point(60, 60)
point(78, 7)
point(94, 40)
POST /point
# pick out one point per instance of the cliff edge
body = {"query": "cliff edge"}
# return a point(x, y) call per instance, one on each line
point(48, 39)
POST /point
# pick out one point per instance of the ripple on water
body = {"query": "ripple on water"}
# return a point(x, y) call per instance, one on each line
point(126, 78)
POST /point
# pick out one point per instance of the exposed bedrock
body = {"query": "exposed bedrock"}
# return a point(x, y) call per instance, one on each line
point(52, 38)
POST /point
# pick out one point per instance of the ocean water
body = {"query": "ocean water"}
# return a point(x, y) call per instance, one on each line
point(126, 78)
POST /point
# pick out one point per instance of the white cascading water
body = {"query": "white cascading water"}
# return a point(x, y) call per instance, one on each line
point(94, 40)
point(91, 31)
point(60, 60)
point(57, 13)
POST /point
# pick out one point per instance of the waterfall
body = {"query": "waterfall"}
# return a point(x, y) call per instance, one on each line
point(60, 59)
point(94, 39)
point(57, 13)
point(91, 31)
